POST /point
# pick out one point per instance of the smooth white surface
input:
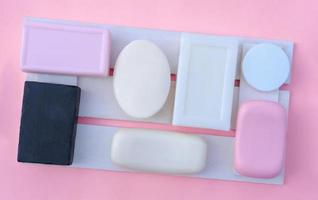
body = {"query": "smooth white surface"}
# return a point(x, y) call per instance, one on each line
point(93, 150)
point(205, 82)
point(265, 67)
point(248, 93)
point(284, 99)
point(50, 78)
point(158, 151)
point(141, 79)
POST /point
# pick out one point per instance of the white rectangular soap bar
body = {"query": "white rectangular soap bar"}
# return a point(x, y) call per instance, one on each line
point(205, 82)
point(158, 151)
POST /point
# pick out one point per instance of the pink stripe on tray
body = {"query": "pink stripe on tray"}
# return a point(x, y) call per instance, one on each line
point(148, 125)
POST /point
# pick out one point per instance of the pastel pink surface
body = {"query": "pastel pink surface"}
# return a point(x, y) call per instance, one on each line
point(285, 19)
point(62, 49)
point(260, 139)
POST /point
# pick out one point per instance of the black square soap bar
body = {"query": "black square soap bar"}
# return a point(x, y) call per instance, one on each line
point(48, 123)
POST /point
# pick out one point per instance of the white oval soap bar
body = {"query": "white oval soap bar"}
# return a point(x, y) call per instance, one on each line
point(141, 79)
point(265, 67)
point(158, 151)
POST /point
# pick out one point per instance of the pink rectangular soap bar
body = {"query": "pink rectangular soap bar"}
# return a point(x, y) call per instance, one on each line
point(260, 139)
point(65, 49)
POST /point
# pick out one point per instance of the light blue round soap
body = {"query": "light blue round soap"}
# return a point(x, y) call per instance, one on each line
point(265, 67)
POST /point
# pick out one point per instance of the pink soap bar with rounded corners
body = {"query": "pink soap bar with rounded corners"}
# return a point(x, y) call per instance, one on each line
point(260, 139)
point(65, 49)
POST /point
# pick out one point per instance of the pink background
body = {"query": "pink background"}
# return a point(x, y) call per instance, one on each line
point(278, 19)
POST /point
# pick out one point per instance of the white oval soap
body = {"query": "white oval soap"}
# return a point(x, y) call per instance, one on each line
point(141, 79)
